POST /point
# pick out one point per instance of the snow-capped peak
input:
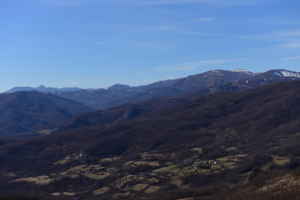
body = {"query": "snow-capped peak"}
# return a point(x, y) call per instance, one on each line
point(288, 74)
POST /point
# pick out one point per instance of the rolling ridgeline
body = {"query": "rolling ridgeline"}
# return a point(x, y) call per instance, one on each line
point(204, 83)
point(234, 140)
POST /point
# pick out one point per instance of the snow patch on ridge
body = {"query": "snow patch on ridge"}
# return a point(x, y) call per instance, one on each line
point(288, 74)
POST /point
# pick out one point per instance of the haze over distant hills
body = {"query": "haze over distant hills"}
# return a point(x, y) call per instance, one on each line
point(32, 112)
point(204, 83)
point(43, 89)
point(28, 110)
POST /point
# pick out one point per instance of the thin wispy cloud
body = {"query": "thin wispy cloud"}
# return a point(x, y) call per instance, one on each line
point(284, 39)
point(173, 2)
point(278, 35)
point(156, 2)
point(291, 33)
point(207, 2)
point(164, 28)
point(205, 19)
point(292, 58)
point(292, 45)
point(181, 30)
point(193, 66)
point(100, 43)
point(274, 21)
point(182, 68)
point(64, 3)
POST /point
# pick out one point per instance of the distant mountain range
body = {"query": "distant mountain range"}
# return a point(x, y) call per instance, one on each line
point(136, 109)
point(33, 112)
point(26, 110)
point(205, 83)
point(43, 89)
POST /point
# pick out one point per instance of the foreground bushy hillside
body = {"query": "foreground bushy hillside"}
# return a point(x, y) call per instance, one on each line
point(17, 198)
point(234, 146)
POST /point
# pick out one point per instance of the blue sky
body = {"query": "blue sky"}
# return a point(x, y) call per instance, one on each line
point(97, 43)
